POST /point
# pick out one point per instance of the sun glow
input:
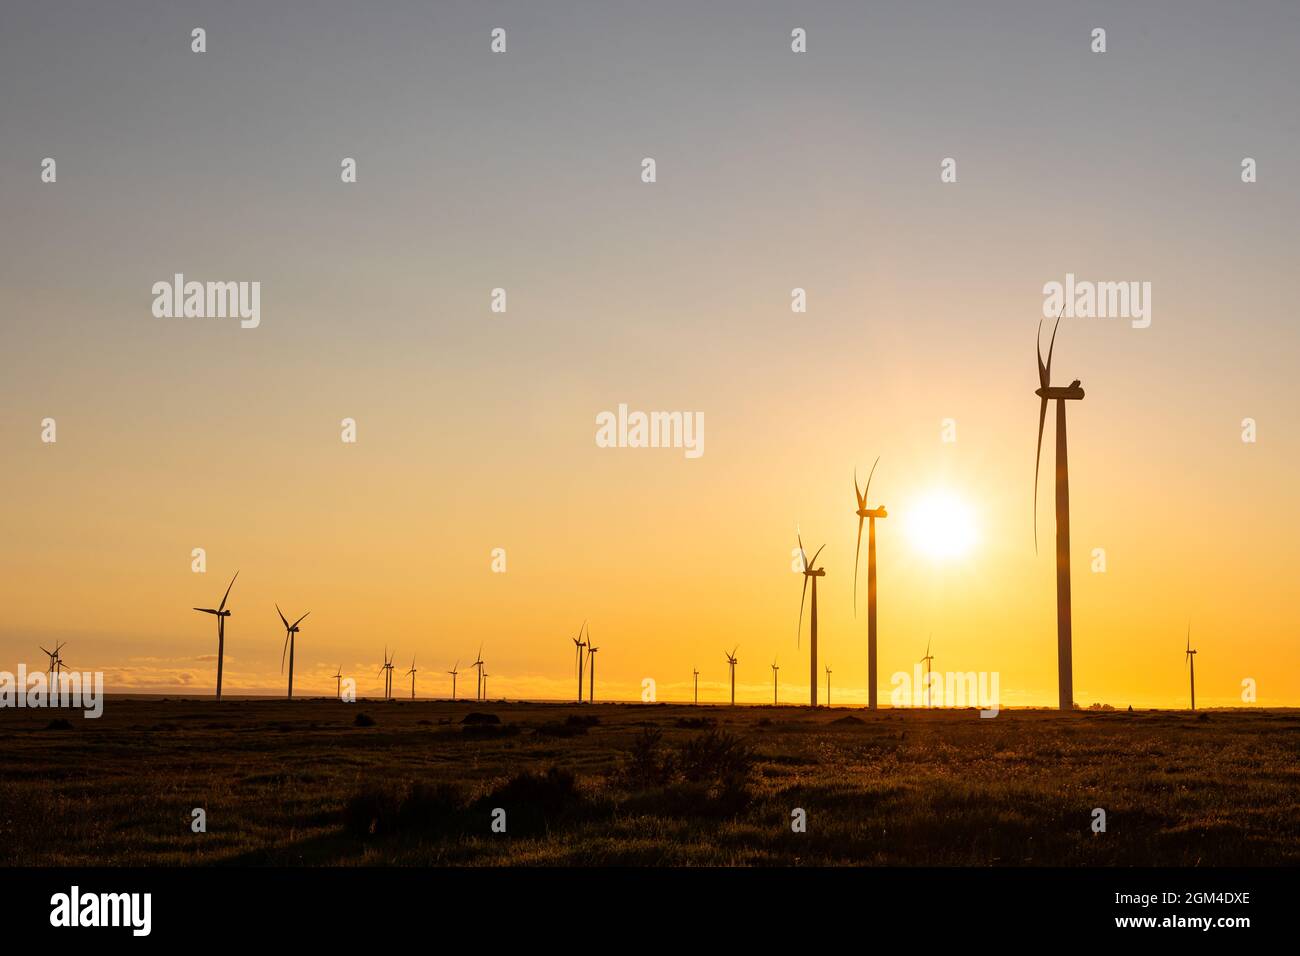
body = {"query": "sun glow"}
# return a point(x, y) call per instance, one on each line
point(940, 525)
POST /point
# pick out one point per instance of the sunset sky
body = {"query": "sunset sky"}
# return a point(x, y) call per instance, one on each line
point(476, 430)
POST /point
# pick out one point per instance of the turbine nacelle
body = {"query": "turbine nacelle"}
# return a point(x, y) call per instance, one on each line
point(1073, 391)
point(873, 512)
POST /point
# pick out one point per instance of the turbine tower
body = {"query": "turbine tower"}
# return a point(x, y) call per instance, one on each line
point(864, 514)
point(1046, 392)
point(775, 668)
point(290, 630)
point(453, 672)
point(221, 613)
point(810, 572)
point(338, 682)
point(731, 663)
point(828, 687)
point(697, 685)
point(412, 673)
point(1191, 664)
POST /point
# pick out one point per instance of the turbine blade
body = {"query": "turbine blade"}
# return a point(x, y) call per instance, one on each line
point(285, 651)
point(1038, 456)
point(798, 637)
point(282, 617)
point(1051, 348)
point(857, 553)
point(867, 490)
point(819, 551)
point(862, 499)
point(301, 619)
point(222, 605)
point(1038, 350)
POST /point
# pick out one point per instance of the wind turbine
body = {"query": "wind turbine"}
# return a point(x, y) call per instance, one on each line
point(865, 513)
point(578, 645)
point(1191, 664)
point(810, 572)
point(591, 670)
point(221, 613)
point(412, 673)
point(926, 660)
point(338, 682)
point(731, 662)
point(775, 668)
point(1073, 392)
point(453, 672)
point(486, 675)
point(386, 669)
point(54, 656)
point(290, 630)
point(478, 666)
point(697, 685)
point(828, 687)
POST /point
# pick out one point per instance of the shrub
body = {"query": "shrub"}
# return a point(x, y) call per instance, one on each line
point(364, 720)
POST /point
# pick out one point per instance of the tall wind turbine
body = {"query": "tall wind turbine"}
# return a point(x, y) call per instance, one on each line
point(578, 645)
point(221, 613)
point(486, 675)
point(810, 572)
point(412, 673)
point(1045, 391)
point(338, 682)
point(453, 672)
point(828, 686)
point(927, 660)
point(1191, 664)
point(290, 631)
point(697, 684)
point(864, 514)
point(591, 669)
point(775, 668)
point(731, 663)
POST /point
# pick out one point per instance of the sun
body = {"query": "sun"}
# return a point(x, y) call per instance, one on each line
point(941, 525)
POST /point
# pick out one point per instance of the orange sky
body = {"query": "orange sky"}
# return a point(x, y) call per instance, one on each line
point(476, 430)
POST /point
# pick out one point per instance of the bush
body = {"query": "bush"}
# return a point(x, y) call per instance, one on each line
point(478, 717)
point(535, 802)
point(364, 720)
point(385, 809)
point(647, 765)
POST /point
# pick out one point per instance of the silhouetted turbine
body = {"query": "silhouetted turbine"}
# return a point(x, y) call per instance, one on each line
point(1045, 391)
point(871, 514)
point(290, 631)
point(814, 573)
point(221, 613)
point(731, 663)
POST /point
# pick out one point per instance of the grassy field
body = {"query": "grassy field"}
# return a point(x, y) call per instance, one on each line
point(309, 783)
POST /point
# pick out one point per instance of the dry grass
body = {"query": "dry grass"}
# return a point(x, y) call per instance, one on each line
point(303, 783)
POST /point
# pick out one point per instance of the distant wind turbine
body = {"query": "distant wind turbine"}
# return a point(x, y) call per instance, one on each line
point(775, 667)
point(478, 665)
point(697, 684)
point(221, 613)
point(810, 572)
point(1191, 664)
point(338, 682)
point(1073, 392)
point(387, 670)
point(828, 686)
point(486, 675)
point(412, 673)
point(865, 513)
point(290, 631)
point(926, 660)
point(731, 663)
point(578, 645)
point(453, 672)
point(54, 656)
